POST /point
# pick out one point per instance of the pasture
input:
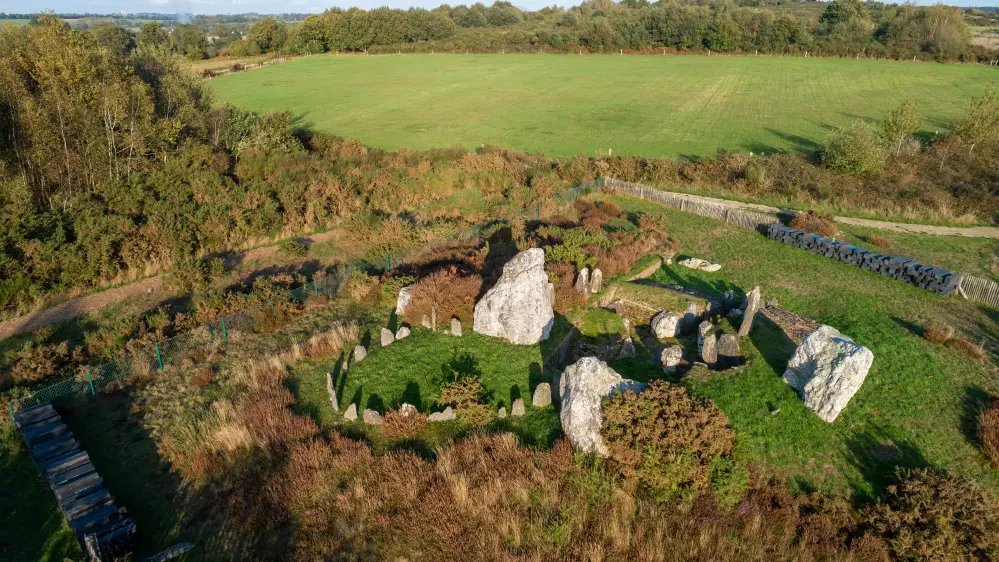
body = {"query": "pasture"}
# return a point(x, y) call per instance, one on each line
point(566, 105)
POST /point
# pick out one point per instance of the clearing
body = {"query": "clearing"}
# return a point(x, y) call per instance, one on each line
point(635, 105)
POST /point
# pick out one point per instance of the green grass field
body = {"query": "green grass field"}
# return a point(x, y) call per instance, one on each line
point(580, 105)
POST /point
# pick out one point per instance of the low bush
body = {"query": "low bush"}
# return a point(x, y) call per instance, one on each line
point(398, 426)
point(882, 242)
point(445, 294)
point(931, 516)
point(972, 350)
point(816, 223)
point(859, 149)
point(675, 444)
point(988, 429)
point(293, 249)
point(467, 396)
point(936, 335)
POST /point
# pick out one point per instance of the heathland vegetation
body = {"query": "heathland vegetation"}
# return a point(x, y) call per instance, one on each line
point(236, 446)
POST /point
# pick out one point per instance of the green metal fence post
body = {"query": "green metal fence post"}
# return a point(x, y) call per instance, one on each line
point(159, 357)
point(91, 380)
point(315, 285)
point(225, 333)
point(539, 210)
point(10, 406)
point(388, 259)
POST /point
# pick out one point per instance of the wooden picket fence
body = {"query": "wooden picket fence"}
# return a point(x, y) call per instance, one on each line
point(976, 288)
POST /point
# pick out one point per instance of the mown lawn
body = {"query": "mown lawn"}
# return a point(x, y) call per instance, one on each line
point(566, 105)
point(919, 401)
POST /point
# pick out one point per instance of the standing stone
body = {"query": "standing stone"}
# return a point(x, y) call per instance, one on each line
point(425, 322)
point(387, 337)
point(583, 281)
point(690, 317)
point(542, 395)
point(402, 333)
point(749, 312)
point(446, 415)
point(359, 353)
point(519, 306)
point(331, 389)
point(402, 301)
point(728, 351)
point(551, 292)
point(666, 324)
point(709, 349)
point(627, 349)
point(596, 281)
point(827, 369)
point(351, 413)
point(372, 417)
point(583, 387)
point(501, 413)
point(703, 330)
point(456, 327)
point(408, 410)
point(518, 408)
point(671, 358)
point(433, 318)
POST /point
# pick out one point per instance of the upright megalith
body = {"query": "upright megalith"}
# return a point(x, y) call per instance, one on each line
point(749, 312)
point(331, 389)
point(387, 337)
point(583, 280)
point(402, 301)
point(583, 387)
point(519, 306)
point(728, 351)
point(827, 369)
point(596, 281)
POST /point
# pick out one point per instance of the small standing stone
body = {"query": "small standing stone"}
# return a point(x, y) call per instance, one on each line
point(752, 305)
point(501, 413)
point(407, 410)
point(331, 388)
point(387, 337)
point(372, 417)
point(583, 280)
point(446, 415)
point(596, 281)
point(518, 408)
point(671, 358)
point(402, 333)
point(360, 353)
point(703, 330)
point(709, 349)
point(728, 351)
point(433, 318)
point(425, 322)
point(690, 317)
point(402, 301)
point(351, 413)
point(542, 395)
point(627, 349)
point(456, 327)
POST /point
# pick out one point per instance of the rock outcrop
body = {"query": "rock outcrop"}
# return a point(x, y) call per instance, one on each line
point(583, 386)
point(827, 369)
point(519, 306)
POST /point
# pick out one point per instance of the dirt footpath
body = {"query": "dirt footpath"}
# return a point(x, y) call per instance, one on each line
point(81, 306)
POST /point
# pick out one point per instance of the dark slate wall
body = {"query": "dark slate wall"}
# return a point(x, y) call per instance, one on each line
point(902, 269)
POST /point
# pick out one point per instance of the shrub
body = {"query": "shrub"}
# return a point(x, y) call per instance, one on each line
point(39, 361)
point(447, 294)
point(293, 249)
point(881, 242)
point(814, 222)
point(468, 398)
point(988, 429)
point(936, 335)
point(672, 442)
point(859, 149)
point(972, 350)
point(397, 425)
point(756, 174)
point(931, 516)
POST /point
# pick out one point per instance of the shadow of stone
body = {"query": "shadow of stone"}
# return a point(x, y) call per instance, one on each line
point(374, 402)
point(772, 342)
point(412, 395)
point(911, 327)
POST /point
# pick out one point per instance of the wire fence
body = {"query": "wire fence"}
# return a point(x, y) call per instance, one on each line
point(155, 357)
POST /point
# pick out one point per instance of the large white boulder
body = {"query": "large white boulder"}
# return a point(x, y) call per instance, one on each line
point(827, 369)
point(583, 387)
point(519, 307)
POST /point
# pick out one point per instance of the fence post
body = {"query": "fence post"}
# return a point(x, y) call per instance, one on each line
point(91, 381)
point(225, 332)
point(10, 406)
point(159, 357)
point(388, 260)
point(315, 285)
point(539, 210)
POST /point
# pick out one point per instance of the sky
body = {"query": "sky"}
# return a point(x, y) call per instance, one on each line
point(275, 6)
